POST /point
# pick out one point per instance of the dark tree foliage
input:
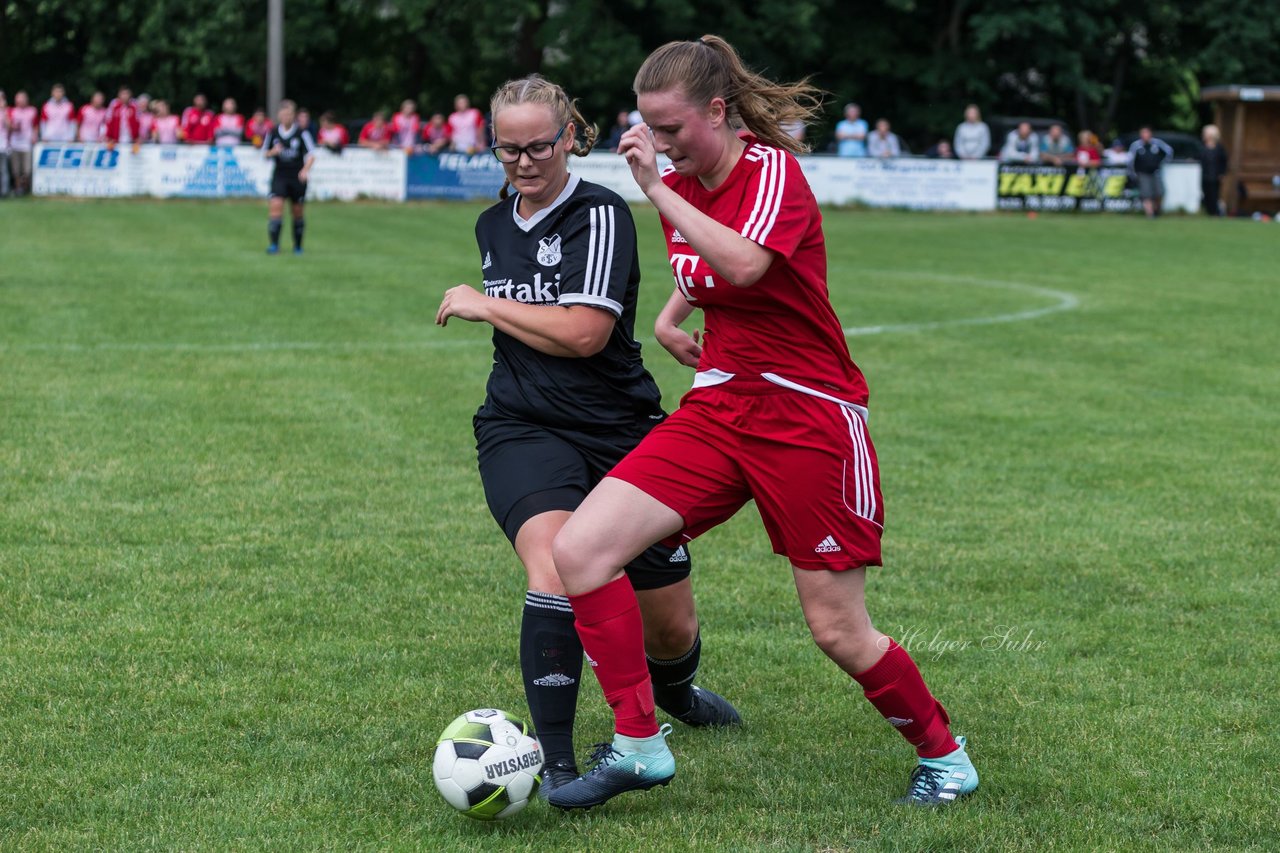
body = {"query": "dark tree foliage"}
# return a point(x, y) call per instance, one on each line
point(1104, 64)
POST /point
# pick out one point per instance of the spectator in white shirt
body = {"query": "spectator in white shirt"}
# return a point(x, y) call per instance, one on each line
point(883, 142)
point(58, 117)
point(972, 140)
point(1021, 146)
point(22, 139)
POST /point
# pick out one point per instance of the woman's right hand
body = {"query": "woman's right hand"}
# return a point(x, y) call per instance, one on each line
point(683, 346)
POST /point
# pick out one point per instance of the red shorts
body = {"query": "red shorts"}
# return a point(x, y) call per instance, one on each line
point(807, 462)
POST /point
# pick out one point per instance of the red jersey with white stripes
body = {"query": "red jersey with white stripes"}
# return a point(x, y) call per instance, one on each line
point(781, 328)
point(93, 123)
point(58, 121)
point(228, 129)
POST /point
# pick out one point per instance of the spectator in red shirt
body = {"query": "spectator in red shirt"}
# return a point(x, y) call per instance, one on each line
point(165, 127)
point(1089, 151)
point(377, 133)
point(258, 128)
point(4, 145)
point(332, 135)
point(122, 121)
point(405, 125)
point(466, 126)
point(146, 118)
point(58, 117)
point(228, 127)
point(197, 122)
point(92, 118)
point(435, 134)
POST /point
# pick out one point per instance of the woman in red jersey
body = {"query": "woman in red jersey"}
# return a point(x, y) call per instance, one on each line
point(777, 413)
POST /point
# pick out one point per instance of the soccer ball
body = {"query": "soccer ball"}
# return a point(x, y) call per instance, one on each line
point(487, 764)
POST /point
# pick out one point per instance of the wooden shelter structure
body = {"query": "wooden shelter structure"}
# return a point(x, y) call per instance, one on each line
point(1249, 118)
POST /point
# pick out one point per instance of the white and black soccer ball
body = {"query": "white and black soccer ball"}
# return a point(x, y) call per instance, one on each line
point(487, 764)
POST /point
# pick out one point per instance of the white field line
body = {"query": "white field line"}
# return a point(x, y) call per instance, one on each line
point(1060, 300)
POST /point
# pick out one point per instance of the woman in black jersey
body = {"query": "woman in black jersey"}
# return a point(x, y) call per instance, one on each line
point(568, 397)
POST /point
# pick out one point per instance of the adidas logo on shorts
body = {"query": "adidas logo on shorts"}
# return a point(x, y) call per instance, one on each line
point(680, 555)
point(827, 546)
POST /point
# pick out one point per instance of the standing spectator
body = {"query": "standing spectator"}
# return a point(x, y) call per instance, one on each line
point(1056, 148)
point(883, 142)
point(165, 128)
point(197, 122)
point(304, 120)
point(620, 126)
point(796, 130)
point(146, 118)
point(1021, 146)
point(228, 127)
point(376, 133)
point(1116, 155)
point(92, 118)
point(940, 150)
point(23, 118)
point(58, 117)
point(1213, 165)
point(122, 121)
point(1146, 160)
point(258, 128)
point(4, 146)
point(1088, 150)
point(435, 134)
point(972, 140)
point(851, 133)
point(405, 126)
point(466, 126)
point(332, 135)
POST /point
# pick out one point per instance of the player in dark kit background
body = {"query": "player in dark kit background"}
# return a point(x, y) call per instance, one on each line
point(293, 149)
point(568, 397)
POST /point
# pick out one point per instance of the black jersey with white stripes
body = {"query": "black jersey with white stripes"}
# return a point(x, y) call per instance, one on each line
point(579, 251)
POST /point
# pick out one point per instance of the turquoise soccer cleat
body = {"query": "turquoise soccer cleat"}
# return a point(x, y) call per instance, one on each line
point(941, 781)
point(627, 764)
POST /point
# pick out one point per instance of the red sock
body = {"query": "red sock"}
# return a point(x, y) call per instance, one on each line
point(612, 633)
point(896, 689)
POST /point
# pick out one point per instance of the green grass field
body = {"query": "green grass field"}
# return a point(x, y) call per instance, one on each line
point(247, 573)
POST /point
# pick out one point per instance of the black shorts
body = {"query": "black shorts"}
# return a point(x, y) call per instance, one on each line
point(528, 470)
point(285, 185)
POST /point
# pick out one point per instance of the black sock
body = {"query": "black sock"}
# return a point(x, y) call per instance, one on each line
point(299, 225)
point(273, 231)
point(673, 679)
point(551, 663)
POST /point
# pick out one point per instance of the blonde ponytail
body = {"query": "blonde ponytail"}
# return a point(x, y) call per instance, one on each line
point(710, 68)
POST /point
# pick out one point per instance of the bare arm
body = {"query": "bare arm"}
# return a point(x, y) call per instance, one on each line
point(684, 347)
point(737, 259)
point(573, 331)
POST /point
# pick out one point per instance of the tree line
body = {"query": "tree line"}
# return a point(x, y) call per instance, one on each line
point(1102, 64)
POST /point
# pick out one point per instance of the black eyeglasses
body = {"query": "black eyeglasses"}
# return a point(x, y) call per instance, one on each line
point(536, 151)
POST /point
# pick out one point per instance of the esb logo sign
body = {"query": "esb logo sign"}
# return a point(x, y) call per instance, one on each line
point(77, 157)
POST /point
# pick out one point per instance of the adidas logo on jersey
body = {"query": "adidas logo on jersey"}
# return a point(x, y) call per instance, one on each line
point(827, 546)
point(488, 261)
point(555, 679)
point(677, 237)
point(680, 555)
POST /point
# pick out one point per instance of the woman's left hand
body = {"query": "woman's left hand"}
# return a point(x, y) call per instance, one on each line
point(642, 157)
point(463, 302)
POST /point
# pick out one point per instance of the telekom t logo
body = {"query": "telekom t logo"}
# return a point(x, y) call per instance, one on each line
point(682, 266)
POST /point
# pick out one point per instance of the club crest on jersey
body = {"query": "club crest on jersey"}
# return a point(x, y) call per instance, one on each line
point(549, 250)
